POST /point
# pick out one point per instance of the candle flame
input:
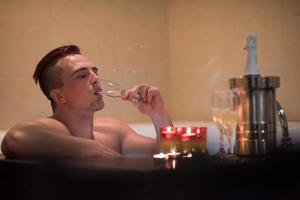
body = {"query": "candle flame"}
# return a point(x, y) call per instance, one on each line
point(160, 155)
point(188, 130)
point(169, 129)
point(189, 155)
point(173, 151)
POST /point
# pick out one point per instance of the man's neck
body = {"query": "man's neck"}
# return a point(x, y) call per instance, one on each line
point(80, 124)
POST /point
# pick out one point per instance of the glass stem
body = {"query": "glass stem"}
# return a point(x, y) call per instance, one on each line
point(221, 149)
point(229, 149)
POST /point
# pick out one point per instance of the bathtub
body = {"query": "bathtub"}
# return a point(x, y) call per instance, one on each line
point(147, 129)
point(2, 133)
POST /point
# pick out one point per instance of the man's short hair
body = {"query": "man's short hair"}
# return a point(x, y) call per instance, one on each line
point(48, 74)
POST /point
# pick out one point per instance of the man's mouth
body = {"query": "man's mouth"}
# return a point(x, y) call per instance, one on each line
point(98, 92)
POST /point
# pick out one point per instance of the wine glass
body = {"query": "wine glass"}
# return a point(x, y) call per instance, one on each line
point(111, 89)
point(114, 90)
point(224, 115)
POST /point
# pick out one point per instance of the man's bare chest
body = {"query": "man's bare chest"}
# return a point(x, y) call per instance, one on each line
point(107, 139)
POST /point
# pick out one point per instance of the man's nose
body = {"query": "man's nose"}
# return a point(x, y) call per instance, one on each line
point(95, 79)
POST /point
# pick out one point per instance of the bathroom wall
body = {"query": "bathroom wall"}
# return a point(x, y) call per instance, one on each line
point(206, 49)
point(187, 48)
point(127, 39)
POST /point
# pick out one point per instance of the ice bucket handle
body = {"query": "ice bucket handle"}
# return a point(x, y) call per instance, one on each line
point(286, 140)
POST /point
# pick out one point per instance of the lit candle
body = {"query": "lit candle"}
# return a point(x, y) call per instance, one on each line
point(187, 140)
point(188, 156)
point(167, 139)
point(168, 132)
point(173, 154)
point(200, 140)
point(161, 156)
point(203, 131)
point(188, 134)
point(178, 138)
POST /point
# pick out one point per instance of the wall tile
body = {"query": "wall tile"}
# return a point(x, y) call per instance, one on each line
point(21, 47)
point(134, 14)
point(21, 100)
point(291, 43)
point(186, 48)
point(9, 48)
point(291, 8)
point(206, 41)
point(256, 10)
point(10, 11)
point(35, 12)
point(89, 12)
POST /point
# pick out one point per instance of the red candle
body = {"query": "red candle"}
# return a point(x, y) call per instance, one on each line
point(200, 140)
point(183, 139)
point(188, 135)
point(168, 132)
point(203, 131)
point(187, 140)
point(167, 139)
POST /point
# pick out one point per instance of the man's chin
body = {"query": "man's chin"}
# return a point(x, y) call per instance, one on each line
point(100, 107)
point(95, 108)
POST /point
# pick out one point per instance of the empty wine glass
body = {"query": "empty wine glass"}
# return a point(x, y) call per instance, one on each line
point(224, 115)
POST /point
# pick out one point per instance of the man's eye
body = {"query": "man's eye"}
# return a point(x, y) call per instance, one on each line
point(95, 71)
point(82, 76)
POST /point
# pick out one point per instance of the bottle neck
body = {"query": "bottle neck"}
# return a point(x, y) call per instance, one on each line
point(251, 65)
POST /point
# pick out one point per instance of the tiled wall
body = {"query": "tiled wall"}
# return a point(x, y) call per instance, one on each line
point(185, 47)
point(206, 49)
point(128, 39)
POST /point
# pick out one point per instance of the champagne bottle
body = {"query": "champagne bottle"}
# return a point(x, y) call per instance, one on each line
point(251, 65)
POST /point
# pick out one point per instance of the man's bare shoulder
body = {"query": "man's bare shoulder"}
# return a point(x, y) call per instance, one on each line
point(108, 122)
point(111, 125)
point(41, 124)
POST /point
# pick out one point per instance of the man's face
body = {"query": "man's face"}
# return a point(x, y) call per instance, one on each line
point(81, 83)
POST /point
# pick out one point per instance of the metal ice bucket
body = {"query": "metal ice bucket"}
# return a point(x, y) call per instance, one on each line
point(256, 129)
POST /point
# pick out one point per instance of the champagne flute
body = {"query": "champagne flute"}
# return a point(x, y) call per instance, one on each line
point(115, 90)
point(111, 89)
point(224, 115)
point(230, 124)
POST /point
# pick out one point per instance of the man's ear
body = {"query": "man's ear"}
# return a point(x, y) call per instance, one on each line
point(57, 96)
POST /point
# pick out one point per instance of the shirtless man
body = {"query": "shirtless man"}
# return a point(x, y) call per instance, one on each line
point(71, 82)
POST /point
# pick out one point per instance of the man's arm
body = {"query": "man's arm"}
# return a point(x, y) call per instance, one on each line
point(135, 145)
point(35, 139)
point(150, 102)
point(131, 143)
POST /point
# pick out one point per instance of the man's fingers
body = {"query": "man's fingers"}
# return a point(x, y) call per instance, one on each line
point(140, 93)
point(152, 92)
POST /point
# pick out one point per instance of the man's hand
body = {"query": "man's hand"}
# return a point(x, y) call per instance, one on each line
point(147, 99)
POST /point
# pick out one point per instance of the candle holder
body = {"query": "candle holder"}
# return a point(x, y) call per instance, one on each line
point(194, 141)
point(184, 140)
point(168, 139)
point(187, 139)
point(200, 141)
point(173, 154)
